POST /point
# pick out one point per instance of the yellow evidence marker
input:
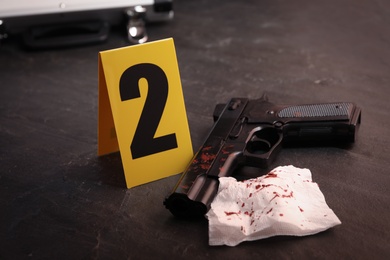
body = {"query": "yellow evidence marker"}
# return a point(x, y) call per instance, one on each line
point(142, 112)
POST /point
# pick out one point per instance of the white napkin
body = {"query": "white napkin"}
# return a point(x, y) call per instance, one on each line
point(284, 202)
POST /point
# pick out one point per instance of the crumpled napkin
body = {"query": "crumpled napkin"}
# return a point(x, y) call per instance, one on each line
point(284, 202)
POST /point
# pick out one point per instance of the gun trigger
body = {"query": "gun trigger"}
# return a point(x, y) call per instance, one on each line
point(237, 128)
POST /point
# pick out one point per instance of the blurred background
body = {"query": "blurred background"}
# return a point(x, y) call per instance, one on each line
point(59, 200)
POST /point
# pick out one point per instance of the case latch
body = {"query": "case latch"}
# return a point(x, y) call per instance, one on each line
point(136, 31)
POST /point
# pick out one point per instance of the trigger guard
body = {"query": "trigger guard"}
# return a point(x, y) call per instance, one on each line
point(258, 146)
point(262, 146)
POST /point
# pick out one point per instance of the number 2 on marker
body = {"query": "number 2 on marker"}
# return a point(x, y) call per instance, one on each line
point(144, 143)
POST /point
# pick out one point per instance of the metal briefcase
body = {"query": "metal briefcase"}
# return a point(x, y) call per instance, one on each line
point(51, 23)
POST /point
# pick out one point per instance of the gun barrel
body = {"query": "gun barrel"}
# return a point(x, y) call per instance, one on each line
point(198, 185)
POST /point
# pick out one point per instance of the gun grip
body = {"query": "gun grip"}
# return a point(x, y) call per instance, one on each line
point(262, 146)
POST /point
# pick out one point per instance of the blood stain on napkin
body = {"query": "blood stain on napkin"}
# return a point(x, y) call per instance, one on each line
point(284, 202)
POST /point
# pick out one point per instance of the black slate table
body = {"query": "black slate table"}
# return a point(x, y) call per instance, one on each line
point(58, 200)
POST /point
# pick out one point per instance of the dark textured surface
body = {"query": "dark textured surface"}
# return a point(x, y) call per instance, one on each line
point(59, 201)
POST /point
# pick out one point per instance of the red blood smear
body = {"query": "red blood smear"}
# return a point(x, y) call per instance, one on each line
point(206, 148)
point(204, 166)
point(288, 196)
point(283, 196)
point(262, 186)
point(300, 209)
point(276, 195)
point(269, 211)
point(224, 151)
point(281, 214)
point(185, 187)
point(207, 157)
point(243, 205)
point(249, 214)
point(232, 213)
point(271, 175)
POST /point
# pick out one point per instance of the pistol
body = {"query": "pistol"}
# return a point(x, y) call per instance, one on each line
point(251, 133)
